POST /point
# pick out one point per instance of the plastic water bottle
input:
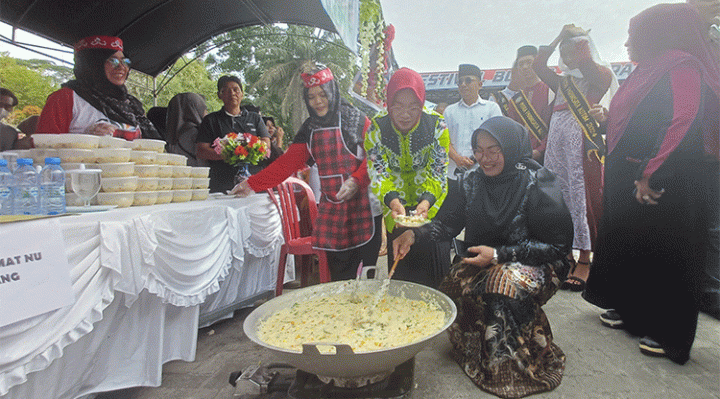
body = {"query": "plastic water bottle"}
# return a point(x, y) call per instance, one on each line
point(27, 187)
point(7, 182)
point(52, 188)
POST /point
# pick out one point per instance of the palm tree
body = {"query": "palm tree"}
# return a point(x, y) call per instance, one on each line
point(274, 56)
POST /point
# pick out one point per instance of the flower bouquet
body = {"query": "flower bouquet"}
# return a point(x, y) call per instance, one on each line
point(241, 149)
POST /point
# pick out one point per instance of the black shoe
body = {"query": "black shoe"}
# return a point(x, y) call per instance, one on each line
point(611, 319)
point(650, 347)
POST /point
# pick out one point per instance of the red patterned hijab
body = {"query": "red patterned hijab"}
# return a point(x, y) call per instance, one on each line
point(665, 36)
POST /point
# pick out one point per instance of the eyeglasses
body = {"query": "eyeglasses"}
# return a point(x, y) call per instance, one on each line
point(116, 62)
point(231, 90)
point(467, 81)
point(493, 153)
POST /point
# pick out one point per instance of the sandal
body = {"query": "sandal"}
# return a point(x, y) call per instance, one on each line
point(573, 283)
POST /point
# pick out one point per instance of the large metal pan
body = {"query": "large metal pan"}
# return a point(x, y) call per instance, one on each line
point(345, 363)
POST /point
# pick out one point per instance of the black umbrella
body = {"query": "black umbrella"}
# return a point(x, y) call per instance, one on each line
point(155, 32)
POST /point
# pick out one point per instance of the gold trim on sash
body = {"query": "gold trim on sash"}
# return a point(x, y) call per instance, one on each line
point(593, 142)
point(527, 112)
point(503, 102)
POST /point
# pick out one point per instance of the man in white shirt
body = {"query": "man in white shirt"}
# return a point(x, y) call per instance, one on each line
point(465, 116)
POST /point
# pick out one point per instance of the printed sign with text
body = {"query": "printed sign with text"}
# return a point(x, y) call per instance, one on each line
point(34, 270)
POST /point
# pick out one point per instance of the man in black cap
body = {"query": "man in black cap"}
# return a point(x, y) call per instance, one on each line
point(465, 116)
point(528, 100)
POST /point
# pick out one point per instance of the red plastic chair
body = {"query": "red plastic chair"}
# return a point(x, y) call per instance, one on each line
point(295, 242)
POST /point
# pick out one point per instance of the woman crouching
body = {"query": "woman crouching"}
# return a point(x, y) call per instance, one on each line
point(520, 233)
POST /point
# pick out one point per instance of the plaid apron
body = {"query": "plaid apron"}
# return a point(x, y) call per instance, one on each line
point(340, 225)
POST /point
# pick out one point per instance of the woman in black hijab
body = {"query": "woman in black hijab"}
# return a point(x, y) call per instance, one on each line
point(518, 232)
point(97, 101)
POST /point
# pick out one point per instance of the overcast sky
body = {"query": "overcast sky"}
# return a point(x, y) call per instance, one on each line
point(437, 35)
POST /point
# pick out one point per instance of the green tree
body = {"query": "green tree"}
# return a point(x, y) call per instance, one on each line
point(183, 76)
point(270, 59)
point(30, 86)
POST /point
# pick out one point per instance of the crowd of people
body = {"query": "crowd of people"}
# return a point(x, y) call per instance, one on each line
point(625, 176)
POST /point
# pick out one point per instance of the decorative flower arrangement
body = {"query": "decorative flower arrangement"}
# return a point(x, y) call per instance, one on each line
point(242, 148)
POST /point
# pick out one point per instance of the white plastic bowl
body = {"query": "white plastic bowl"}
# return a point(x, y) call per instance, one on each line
point(112, 155)
point(181, 171)
point(113, 142)
point(165, 183)
point(182, 195)
point(144, 198)
point(147, 184)
point(120, 199)
point(165, 170)
point(164, 197)
point(115, 184)
point(117, 169)
point(80, 141)
point(146, 170)
point(163, 158)
point(200, 182)
point(182, 183)
point(200, 194)
point(76, 155)
point(45, 140)
point(177, 159)
point(200, 171)
point(148, 145)
point(143, 157)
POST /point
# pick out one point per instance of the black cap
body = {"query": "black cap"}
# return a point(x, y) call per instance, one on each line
point(469, 69)
point(526, 50)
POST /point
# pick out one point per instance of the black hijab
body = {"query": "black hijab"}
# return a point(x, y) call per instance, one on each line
point(93, 86)
point(498, 198)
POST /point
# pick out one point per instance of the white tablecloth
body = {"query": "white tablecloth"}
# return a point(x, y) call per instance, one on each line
point(141, 276)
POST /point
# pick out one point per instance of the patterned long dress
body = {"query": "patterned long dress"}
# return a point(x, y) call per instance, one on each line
point(501, 337)
point(564, 157)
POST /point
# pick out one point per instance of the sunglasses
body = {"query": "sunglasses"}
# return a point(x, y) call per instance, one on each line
point(115, 62)
point(467, 81)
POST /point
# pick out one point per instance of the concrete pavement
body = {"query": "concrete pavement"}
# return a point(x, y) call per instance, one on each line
point(601, 363)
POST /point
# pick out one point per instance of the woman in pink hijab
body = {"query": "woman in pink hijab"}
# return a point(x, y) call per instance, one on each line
point(661, 183)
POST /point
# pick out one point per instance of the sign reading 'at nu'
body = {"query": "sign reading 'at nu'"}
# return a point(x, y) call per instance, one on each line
point(499, 78)
point(34, 271)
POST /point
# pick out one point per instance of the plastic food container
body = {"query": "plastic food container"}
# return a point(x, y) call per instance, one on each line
point(115, 184)
point(200, 171)
point(182, 195)
point(182, 183)
point(76, 155)
point(147, 184)
point(146, 170)
point(148, 145)
point(45, 140)
point(165, 170)
point(79, 141)
point(119, 199)
point(143, 157)
point(143, 198)
point(177, 159)
point(165, 183)
point(164, 197)
point(112, 155)
point(200, 182)
point(116, 169)
point(113, 142)
point(163, 158)
point(181, 171)
point(200, 194)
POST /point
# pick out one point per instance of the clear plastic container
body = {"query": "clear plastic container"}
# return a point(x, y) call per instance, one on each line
point(7, 182)
point(52, 188)
point(27, 188)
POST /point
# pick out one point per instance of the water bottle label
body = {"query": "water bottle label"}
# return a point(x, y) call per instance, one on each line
point(5, 192)
point(30, 192)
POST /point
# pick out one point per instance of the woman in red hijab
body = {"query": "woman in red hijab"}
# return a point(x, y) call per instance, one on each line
point(661, 183)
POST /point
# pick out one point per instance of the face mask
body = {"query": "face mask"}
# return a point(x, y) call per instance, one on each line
point(3, 113)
